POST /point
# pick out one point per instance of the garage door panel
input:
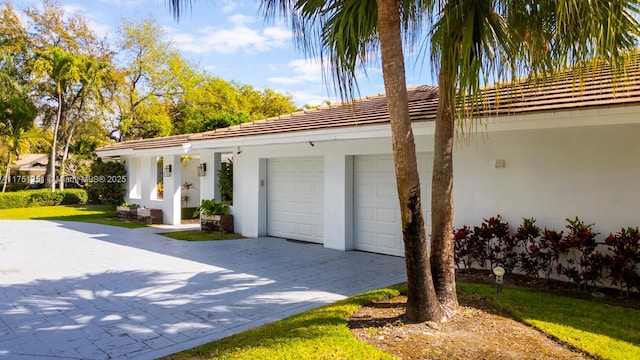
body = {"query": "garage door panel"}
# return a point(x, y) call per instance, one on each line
point(389, 216)
point(385, 166)
point(377, 222)
point(295, 198)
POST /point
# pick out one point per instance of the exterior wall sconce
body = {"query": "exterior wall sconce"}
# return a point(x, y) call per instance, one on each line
point(202, 169)
point(500, 163)
point(167, 170)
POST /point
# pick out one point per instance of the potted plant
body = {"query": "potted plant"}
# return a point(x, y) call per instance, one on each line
point(127, 211)
point(214, 216)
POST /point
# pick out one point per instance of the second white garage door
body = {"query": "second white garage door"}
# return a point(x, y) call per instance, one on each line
point(295, 198)
point(377, 225)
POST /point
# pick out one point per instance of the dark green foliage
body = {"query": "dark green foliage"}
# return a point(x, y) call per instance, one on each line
point(623, 262)
point(212, 207)
point(12, 200)
point(42, 197)
point(74, 196)
point(107, 182)
point(537, 253)
point(584, 263)
point(225, 182)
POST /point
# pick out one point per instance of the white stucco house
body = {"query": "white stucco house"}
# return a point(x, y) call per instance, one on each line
point(568, 148)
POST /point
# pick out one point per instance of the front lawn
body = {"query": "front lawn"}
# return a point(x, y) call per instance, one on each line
point(97, 214)
point(316, 334)
point(601, 330)
point(604, 331)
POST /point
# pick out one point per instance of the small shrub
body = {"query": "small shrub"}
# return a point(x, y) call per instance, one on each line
point(584, 263)
point(45, 198)
point(42, 197)
point(12, 200)
point(623, 261)
point(461, 249)
point(487, 240)
point(536, 255)
point(74, 196)
point(551, 244)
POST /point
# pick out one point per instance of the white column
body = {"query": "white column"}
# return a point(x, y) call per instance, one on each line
point(262, 197)
point(338, 202)
point(148, 181)
point(134, 178)
point(171, 201)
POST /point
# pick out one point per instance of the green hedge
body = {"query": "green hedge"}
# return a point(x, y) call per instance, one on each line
point(42, 197)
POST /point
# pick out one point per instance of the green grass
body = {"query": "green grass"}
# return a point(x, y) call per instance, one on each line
point(316, 334)
point(197, 235)
point(604, 331)
point(83, 213)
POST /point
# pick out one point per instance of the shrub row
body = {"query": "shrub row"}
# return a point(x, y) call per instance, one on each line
point(537, 253)
point(43, 197)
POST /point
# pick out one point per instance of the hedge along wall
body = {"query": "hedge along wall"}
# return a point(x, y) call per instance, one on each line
point(43, 197)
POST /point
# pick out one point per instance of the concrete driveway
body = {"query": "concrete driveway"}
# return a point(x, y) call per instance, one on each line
point(85, 291)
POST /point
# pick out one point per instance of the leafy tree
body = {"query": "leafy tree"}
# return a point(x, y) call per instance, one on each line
point(68, 81)
point(148, 83)
point(17, 114)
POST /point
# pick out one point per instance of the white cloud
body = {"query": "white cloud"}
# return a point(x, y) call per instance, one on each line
point(240, 37)
point(227, 8)
point(121, 3)
point(302, 71)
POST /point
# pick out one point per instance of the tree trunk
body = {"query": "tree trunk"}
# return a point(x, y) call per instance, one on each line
point(7, 174)
point(422, 303)
point(442, 257)
point(65, 155)
point(52, 159)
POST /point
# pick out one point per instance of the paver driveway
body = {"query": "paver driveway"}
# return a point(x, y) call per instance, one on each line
point(86, 291)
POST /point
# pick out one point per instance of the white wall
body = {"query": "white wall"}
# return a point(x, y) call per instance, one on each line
point(551, 175)
point(190, 175)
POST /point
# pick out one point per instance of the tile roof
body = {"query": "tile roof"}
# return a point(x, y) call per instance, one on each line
point(564, 91)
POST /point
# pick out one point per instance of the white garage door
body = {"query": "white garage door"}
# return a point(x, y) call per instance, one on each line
point(377, 223)
point(295, 198)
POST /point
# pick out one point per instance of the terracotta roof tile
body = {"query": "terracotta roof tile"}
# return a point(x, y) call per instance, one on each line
point(595, 88)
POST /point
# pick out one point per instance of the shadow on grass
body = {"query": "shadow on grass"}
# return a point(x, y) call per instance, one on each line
point(318, 333)
point(602, 330)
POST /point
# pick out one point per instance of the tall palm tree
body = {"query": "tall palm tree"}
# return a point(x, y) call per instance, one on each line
point(17, 114)
point(472, 41)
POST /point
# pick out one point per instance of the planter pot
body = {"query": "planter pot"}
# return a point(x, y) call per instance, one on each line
point(133, 213)
point(122, 212)
point(149, 216)
point(217, 223)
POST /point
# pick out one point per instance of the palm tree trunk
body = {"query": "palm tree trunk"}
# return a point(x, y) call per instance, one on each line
point(7, 173)
point(442, 259)
point(52, 159)
point(422, 304)
point(65, 155)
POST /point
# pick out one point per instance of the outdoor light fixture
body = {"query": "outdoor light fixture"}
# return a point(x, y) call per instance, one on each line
point(499, 272)
point(202, 169)
point(312, 144)
point(167, 170)
point(239, 151)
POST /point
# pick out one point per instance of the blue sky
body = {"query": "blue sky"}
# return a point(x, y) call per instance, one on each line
point(231, 40)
